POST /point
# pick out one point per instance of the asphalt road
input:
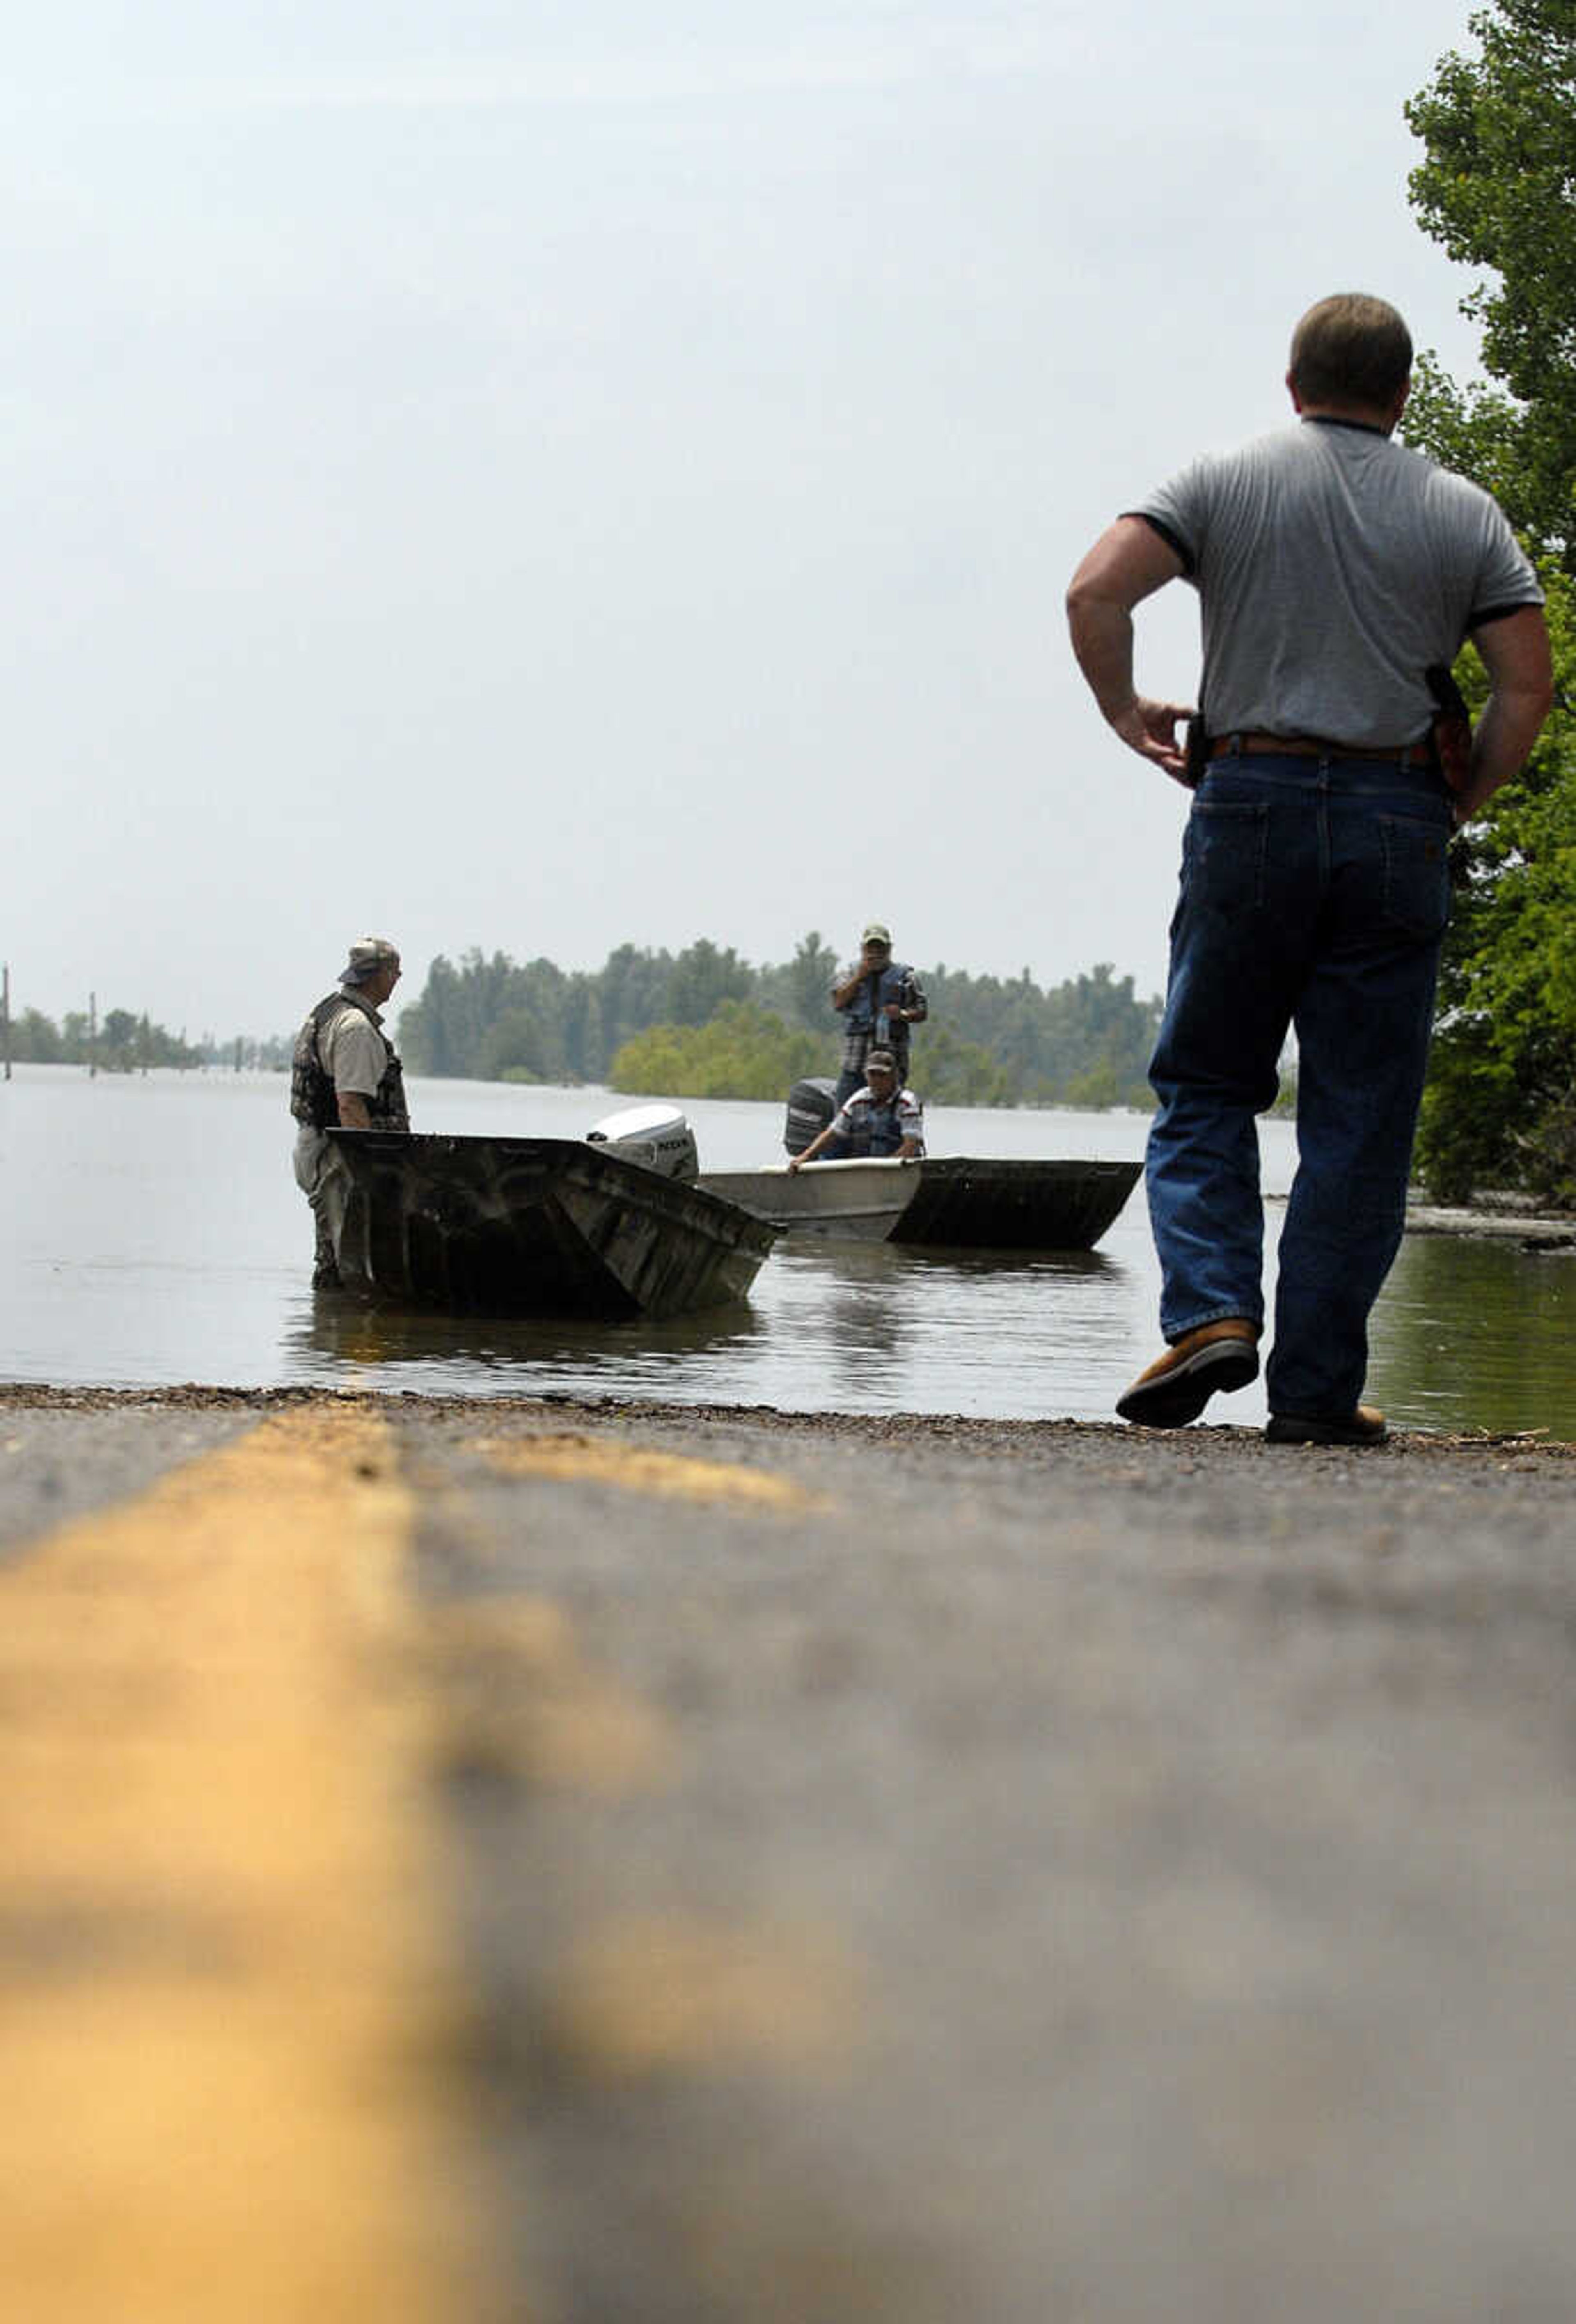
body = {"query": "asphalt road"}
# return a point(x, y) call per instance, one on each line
point(521, 1861)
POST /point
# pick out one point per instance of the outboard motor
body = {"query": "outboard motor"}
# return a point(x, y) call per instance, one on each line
point(810, 1107)
point(657, 1137)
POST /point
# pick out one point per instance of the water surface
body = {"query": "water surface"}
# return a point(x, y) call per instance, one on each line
point(153, 1234)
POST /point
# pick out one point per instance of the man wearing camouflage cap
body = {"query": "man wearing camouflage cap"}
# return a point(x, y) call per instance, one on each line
point(345, 1075)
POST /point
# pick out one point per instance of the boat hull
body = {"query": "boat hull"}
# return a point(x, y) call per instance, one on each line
point(956, 1202)
point(531, 1226)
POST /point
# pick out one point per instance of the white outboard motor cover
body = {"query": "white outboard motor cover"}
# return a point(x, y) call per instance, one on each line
point(657, 1137)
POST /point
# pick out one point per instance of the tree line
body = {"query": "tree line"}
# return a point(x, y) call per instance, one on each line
point(125, 1041)
point(705, 1022)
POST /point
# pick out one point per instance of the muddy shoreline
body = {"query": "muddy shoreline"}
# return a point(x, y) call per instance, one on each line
point(1501, 1220)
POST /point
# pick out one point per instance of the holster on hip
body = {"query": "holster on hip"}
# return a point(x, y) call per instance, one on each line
point(1452, 732)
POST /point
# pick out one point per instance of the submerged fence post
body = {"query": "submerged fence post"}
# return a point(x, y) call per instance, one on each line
point(92, 1036)
point(5, 1016)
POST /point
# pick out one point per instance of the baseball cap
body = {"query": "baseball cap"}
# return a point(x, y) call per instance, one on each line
point(368, 954)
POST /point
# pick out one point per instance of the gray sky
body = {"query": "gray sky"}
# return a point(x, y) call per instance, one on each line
point(544, 475)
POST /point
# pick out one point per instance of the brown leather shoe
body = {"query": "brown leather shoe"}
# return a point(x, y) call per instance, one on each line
point(1363, 1427)
point(1178, 1385)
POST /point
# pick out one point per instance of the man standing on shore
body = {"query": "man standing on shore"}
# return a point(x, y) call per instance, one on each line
point(345, 1075)
point(1336, 571)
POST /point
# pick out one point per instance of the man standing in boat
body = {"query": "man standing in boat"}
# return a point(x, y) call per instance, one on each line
point(879, 999)
point(882, 1117)
point(1338, 574)
point(345, 1075)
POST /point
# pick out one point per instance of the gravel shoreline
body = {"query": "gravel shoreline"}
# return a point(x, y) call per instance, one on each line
point(1022, 1438)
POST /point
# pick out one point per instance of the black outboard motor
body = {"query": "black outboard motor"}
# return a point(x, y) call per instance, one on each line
point(810, 1107)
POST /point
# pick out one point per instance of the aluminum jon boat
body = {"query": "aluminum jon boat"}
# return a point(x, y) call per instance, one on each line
point(531, 1226)
point(957, 1202)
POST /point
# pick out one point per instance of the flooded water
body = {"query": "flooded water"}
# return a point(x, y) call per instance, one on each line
point(152, 1234)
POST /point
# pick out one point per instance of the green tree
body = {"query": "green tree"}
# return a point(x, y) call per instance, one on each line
point(701, 980)
point(745, 1051)
point(1046, 1042)
point(954, 1072)
point(1497, 189)
point(443, 1030)
point(513, 1050)
point(634, 992)
point(35, 1039)
point(801, 989)
point(1500, 1106)
point(118, 1041)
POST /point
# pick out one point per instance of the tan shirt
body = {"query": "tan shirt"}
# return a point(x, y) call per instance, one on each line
point(353, 1052)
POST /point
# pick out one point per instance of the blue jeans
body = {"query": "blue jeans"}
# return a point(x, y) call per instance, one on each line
point(1314, 894)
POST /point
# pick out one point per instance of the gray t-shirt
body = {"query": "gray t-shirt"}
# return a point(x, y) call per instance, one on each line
point(1333, 566)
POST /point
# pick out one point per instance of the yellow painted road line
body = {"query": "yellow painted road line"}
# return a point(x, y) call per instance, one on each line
point(657, 1993)
point(225, 2012)
point(637, 1468)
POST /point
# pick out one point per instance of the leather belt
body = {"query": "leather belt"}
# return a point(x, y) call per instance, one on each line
point(1309, 746)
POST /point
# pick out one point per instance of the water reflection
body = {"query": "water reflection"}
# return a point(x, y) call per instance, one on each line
point(1477, 1335)
point(853, 1327)
point(497, 1355)
point(858, 1314)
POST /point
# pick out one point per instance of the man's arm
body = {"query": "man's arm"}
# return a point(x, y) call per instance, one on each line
point(916, 1009)
point(353, 1110)
point(1128, 563)
point(841, 1123)
point(821, 1138)
point(1515, 651)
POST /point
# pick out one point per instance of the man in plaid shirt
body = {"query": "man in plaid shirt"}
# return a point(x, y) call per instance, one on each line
point(880, 996)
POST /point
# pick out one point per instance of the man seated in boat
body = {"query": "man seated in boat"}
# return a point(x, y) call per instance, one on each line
point(345, 1075)
point(880, 1118)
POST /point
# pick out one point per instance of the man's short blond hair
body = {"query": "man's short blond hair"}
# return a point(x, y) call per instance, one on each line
point(1352, 349)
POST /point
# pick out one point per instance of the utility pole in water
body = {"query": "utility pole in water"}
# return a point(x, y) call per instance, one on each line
point(92, 1036)
point(5, 1015)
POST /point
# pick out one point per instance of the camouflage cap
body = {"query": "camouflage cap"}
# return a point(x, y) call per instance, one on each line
point(876, 932)
point(367, 955)
point(880, 1061)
